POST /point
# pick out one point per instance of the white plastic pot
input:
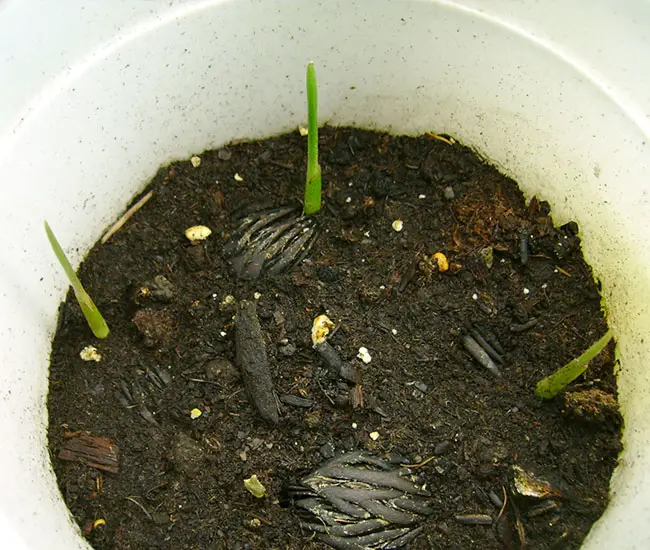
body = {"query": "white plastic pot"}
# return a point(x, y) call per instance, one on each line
point(96, 96)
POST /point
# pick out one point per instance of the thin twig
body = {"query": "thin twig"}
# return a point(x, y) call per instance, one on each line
point(439, 137)
point(140, 506)
point(324, 392)
point(420, 464)
point(125, 218)
point(565, 273)
point(263, 519)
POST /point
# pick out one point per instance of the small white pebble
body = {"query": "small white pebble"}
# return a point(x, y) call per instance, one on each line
point(214, 296)
point(195, 413)
point(196, 161)
point(422, 196)
point(223, 334)
point(238, 177)
point(348, 200)
point(526, 291)
point(394, 331)
point(257, 295)
point(354, 425)
point(398, 225)
point(90, 353)
point(382, 287)
point(350, 184)
point(364, 355)
point(374, 436)
point(475, 296)
point(303, 131)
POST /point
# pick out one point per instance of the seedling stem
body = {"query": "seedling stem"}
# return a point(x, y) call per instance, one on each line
point(553, 384)
point(313, 185)
point(93, 316)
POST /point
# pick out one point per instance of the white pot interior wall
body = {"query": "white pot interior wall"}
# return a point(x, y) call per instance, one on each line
point(118, 96)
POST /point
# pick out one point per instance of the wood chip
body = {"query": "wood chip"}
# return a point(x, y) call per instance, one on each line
point(97, 452)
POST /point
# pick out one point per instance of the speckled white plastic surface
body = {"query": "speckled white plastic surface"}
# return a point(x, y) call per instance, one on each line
point(97, 95)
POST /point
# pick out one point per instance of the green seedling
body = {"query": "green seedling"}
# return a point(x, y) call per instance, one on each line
point(93, 316)
point(550, 386)
point(313, 184)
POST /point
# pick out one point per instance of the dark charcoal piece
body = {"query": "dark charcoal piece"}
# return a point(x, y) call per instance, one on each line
point(360, 502)
point(270, 242)
point(253, 363)
point(335, 365)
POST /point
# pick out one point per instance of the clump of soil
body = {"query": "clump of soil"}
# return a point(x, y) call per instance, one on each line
point(176, 434)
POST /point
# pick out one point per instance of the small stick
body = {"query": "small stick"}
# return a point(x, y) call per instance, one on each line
point(566, 273)
point(523, 245)
point(335, 365)
point(263, 519)
point(439, 138)
point(495, 499)
point(487, 347)
point(504, 503)
point(474, 519)
point(420, 464)
point(480, 355)
point(141, 507)
point(524, 326)
point(126, 217)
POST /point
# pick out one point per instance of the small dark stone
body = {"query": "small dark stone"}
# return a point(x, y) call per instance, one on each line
point(327, 450)
point(160, 518)
point(161, 289)
point(186, 454)
point(383, 185)
point(421, 386)
point(442, 447)
point(327, 274)
point(221, 370)
point(155, 325)
point(195, 258)
point(287, 350)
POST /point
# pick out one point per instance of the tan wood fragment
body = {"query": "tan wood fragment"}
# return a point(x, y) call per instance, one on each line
point(101, 453)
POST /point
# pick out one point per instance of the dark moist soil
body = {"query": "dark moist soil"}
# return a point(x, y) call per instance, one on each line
point(171, 350)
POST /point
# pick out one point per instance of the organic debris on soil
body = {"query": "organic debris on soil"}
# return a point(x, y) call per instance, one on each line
point(441, 325)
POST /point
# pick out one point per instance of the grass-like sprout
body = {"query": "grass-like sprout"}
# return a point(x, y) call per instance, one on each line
point(93, 316)
point(553, 384)
point(313, 184)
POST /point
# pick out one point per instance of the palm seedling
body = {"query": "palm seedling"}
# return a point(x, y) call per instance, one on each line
point(93, 316)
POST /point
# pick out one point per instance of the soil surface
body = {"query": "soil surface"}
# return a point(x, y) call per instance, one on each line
point(181, 432)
